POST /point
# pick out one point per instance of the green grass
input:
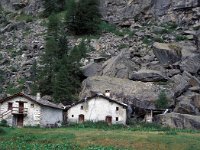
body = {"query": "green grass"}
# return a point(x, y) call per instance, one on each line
point(77, 137)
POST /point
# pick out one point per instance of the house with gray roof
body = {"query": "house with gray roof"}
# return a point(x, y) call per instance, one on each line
point(100, 107)
point(25, 110)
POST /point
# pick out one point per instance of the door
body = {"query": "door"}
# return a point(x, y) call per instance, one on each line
point(109, 119)
point(81, 118)
point(20, 120)
point(21, 107)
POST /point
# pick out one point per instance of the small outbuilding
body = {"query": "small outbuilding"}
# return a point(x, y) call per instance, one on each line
point(25, 110)
point(98, 108)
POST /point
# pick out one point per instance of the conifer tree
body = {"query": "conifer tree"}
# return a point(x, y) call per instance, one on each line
point(60, 74)
point(162, 101)
point(84, 18)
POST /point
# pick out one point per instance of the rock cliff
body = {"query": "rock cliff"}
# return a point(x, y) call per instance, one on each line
point(155, 47)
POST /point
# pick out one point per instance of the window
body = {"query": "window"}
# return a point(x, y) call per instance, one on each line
point(81, 107)
point(72, 115)
point(117, 119)
point(32, 105)
point(10, 106)
point(117, 108)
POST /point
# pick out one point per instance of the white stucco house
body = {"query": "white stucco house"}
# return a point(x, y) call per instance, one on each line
point(25, 110)
point(98, 108)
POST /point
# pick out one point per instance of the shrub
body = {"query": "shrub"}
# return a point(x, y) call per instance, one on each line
point(181, 38)
point(2, 131)
point(3, 123)
point(162, 101)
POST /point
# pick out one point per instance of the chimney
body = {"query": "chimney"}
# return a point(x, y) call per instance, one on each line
point(107, 93)
point(38, 96)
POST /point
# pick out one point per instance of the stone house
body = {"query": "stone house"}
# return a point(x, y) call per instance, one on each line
point(98, 108)
point(25, 110)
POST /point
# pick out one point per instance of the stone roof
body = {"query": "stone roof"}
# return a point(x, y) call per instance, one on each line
point(41, 101)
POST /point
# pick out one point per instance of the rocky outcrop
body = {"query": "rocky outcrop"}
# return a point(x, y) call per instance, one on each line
point(123, 89)
point(92, 69)
point(31, 7)
point(177, 120)
point(185, 104)
point(117, 11)
point(191, 64)
point(167, 53)
point(147, 76)
point(120, 66)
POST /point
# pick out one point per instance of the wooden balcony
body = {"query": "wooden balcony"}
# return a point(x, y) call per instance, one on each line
point(19, 111)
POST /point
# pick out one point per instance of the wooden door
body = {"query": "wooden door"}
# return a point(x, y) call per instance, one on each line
point(20, 120)
point(21, 107)
point(109, 119)
point(81, 118)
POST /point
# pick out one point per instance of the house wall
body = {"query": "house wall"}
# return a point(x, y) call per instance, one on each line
point(33, 113)
point(97, 109)
point(50, 115)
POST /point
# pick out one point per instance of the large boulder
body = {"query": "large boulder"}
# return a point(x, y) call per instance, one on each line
point(92, 69)
point(180, 84)
point(167, 53)
point(119, 66)
point(148, 76)
point(177, 120)
point(137, 93)
point(191, 64)
point(186, 104)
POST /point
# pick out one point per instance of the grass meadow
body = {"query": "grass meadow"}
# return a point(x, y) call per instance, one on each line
point(90, 138)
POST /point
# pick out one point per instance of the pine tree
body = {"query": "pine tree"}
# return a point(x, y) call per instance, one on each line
point(67, 81)
point(162, 101)
point(85, 18)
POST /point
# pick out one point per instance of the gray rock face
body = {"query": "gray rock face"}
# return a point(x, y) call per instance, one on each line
point(180, 85)
point(185, 105)
point(118, 11)
point(176, 120)
point(161, 7)
point(32, 7)
point(123, 89)
point(92, 70)
point(191, 64)
point(182, 4)
point(147, 76)
point(119, 66)
point(167, 53)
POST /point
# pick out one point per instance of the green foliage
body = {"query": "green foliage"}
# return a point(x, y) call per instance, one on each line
point(106, 27)
point(2, 131)
point(53, 6)
point(60, 74)
point(2, 80)
point(12, 89)
point(181, 38)
point(25, 17)
point(83, 17)
point(162, 101)
point(97, 125)
point(147, 40)
point(3, 123)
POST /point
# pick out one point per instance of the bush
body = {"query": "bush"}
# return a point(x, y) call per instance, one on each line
point(98, 125)
point(3, 123)
point(162, 101)
point(2, 131)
